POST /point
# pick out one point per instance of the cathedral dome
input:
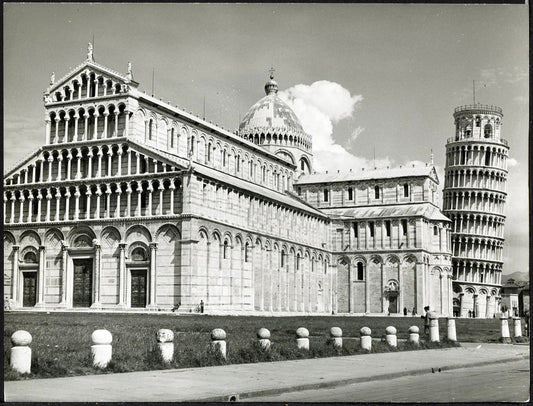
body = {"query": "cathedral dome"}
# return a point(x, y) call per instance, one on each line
point(271, 119)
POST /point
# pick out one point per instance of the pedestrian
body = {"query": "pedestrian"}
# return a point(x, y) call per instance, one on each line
point(405, 311)
point(201, 306)
point(526, 322)
point(426, 320)
point(414, 312)
point(470, 313)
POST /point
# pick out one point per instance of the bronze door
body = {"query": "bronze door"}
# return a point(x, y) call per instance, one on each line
point(30, 289)
point(138, 288)
point(83, 283)
point(393, 304)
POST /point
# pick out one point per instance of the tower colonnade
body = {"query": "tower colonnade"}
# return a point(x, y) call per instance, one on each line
point(474, 199)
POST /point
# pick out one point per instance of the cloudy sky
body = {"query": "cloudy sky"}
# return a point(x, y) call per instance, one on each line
point(362, 78)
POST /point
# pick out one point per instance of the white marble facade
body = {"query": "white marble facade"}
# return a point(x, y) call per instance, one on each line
point(132, 203)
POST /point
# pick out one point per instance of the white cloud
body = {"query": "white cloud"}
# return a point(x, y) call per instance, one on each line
point(330, 98)
point(319, 106)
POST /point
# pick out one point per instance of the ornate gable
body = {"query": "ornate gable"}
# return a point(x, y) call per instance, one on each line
point(87, 77)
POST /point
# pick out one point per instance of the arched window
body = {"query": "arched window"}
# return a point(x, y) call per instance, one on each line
point(468, 132)
point(478, 121)
point(488, 131)
point(435, 230)
point(139, 254)
point(238, 163)
point(224, 154)
point(487, 157)
point(247, 252)
point(405, 190)
point(283, 259)
point(208, 158)
point(404, 226)
point(326, 195)
point(30, 257)
point(150, 128)
point(172, 138)
point(360, 271)
point(387, 228)
point(225, 250)
point(371, 228)
point(350, 193)
point(298, 262)
point(376, 192)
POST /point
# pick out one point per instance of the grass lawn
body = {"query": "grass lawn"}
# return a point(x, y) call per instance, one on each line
point(61, 341)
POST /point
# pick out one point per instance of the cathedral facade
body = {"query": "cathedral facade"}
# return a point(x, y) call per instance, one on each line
point(133, 203)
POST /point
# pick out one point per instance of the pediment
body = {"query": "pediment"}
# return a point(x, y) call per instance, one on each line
point(163, 157)
point(433, 175)
point(89, 68)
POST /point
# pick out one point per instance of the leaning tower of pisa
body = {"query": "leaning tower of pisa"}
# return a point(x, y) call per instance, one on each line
point(474, 199)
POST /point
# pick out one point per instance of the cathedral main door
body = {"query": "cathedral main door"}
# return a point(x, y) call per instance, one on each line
point(83, 283)
point(30, 289)
point(138, 288)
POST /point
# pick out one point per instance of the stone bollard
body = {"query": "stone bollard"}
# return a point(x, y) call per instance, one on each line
point(302, 338)
point(165, 342)
point(366, 339)
point(20, 352)
point(414, 336)
point(218, 337)
point(450, 322)
point(433, 327)
point(517, 327)
point(264, 338)
point(101, 348)
point(390, 336)
point(506, 337)
point(335, 336)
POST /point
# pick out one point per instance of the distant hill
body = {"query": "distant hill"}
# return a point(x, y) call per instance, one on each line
point(517, 276)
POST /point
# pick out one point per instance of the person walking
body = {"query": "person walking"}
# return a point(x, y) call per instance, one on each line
point(201, 306)
point(405, 311)
point(426, 320)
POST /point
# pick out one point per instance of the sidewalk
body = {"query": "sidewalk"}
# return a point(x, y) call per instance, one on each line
point(219, 383)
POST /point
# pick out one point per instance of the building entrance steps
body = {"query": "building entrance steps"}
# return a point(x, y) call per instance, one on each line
point(220, 383)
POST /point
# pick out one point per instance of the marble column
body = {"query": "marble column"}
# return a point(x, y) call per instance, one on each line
point(30, 207)
point(153, 280)
point(22, 199)
point(41, 276)
point(122, 275)
point(97, 274)
point(69, 165)
point(14, 280)
point(67, 204)
point(58, 204)
point(48, 198)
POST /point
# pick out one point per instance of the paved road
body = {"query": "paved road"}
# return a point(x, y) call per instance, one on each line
point(492, 383)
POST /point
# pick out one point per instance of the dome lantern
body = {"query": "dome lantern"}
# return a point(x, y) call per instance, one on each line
point(271, 87)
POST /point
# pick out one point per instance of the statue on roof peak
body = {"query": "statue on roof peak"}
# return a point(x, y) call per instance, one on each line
point(90, 56)
point(130, 73)
point(52, 78)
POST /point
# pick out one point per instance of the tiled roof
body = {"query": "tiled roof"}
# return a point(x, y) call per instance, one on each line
point(400, 172)
point(426, 210)
point(270, 114)
point(284, 198)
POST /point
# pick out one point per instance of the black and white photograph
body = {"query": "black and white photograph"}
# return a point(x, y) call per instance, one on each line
point(266, 202)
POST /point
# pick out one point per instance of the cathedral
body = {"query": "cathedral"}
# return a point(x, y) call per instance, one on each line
point(132, 203)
